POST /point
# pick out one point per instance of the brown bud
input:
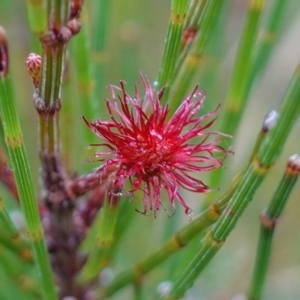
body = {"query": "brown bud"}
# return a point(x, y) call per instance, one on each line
point(270, 120)
point(74, 25)
point(64, 35)
point(293, 164)
point(4, 62)
point(33, 64)
point(75, 8)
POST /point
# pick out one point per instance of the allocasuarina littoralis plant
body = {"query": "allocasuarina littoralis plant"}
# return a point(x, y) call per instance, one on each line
point(156, 143)
point(156, 150)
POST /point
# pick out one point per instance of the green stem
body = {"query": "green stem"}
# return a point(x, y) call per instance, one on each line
point(193, 59)
point(80, 53)
point(266, 42)
point(17, 246)
point(172, 46)
point(6, 175)
point(139, 291)
point(124, 219)
point(81, 65)
point(194, 13)
point(49, 95)
point(19, 161)
point(7, 222)
point(16, 241)
point(235, 100)
point(268, 123)
point(17, 274)
point(104, 237)
point(100, 56)
point(213, 55)
point(191, 27)
point(268, 223)
point(37, 16)
point(58, 14)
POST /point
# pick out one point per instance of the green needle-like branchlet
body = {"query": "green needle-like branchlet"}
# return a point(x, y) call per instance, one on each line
point(17, 274)
point(191, 27)
point(214, 239)
point(172, 46)
point(250, 181)
point(268, 223)
point(235, 100)
point(193, 18)
point(177, 242)
point(266, 42)
point(193, 14)
point(193, 59)
point(7, 222)
point(104, 238)
point(124, 220)
point(100, 55)
point(268, 123)
point(37, 16)
point(138, 291)
point(17, 246)
point(81, 57)
point(19, 162)
point(15, 241)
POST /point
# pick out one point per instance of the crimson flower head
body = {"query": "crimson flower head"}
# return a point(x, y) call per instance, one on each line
point(155, 150)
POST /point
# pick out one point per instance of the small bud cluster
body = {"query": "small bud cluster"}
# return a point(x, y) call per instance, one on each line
point(33, 65)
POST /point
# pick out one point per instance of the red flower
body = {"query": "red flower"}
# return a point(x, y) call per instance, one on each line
point(154, 150)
